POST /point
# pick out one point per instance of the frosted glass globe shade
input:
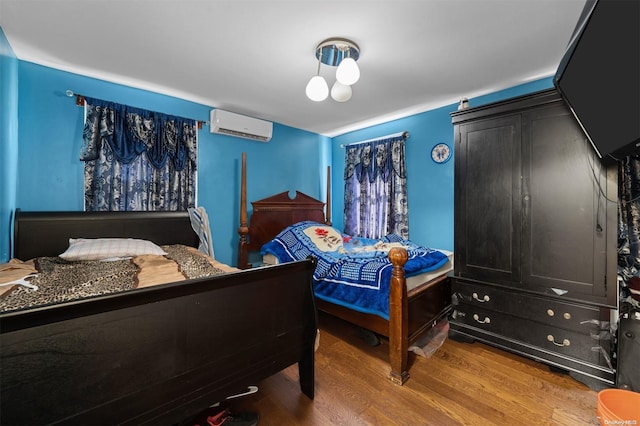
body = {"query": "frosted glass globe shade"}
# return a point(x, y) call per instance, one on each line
point(340, 92)
point(317, 89)
point(348, 72)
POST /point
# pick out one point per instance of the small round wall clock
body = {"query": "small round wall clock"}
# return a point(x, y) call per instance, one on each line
point(441, 153)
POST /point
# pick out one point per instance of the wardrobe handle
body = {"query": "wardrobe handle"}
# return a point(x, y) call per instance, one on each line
point(484, 299)
point(565, 342)
point(486, 320)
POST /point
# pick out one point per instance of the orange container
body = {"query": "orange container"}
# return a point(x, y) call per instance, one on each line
point(618, 407)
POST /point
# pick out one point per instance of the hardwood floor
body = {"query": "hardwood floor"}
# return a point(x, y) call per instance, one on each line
point(460, 384)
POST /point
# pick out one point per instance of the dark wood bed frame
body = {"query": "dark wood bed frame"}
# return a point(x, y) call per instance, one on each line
point(410, 313)
point(154, 355)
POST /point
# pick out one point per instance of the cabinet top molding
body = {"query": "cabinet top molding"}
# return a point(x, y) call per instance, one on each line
point(511, 105)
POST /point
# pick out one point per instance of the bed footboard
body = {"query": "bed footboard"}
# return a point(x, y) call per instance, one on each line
point(159, 355)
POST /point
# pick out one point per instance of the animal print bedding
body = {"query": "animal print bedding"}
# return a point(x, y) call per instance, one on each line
point(51, 280)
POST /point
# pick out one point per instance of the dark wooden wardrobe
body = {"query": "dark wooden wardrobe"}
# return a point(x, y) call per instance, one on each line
point(535, 236)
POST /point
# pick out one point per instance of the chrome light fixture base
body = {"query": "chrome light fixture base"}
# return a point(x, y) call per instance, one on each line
point(333, 50)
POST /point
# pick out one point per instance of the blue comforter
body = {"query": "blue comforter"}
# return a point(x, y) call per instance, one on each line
point(351, 271)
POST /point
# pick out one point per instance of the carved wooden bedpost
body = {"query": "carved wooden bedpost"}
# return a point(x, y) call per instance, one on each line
point(398, 317)
point(243, 229)
point(327, 214)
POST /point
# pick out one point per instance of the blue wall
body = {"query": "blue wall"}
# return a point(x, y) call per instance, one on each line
point(50, 175)
point(430, 185)
point(41, 169)
point(8, 142)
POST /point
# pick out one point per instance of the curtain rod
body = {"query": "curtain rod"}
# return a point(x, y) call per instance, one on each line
point(80, 102)
point(404, 134)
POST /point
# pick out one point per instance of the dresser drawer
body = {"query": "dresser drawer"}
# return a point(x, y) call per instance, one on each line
point(557, 313)
point(543, 336)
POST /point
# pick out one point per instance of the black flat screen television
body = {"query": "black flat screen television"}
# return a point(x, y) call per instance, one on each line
point(599, 76)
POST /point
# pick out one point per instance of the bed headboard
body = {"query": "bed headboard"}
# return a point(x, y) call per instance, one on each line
point(47, 233)
point(273, 214)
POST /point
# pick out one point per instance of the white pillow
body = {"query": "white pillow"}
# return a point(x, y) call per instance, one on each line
point(108, 248)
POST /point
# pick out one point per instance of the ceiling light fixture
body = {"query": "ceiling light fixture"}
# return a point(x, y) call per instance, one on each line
point(341, 53)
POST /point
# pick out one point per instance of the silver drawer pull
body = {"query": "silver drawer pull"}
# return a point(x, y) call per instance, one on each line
point(567, 316)
point(565, 342)
point(550, 312)
point(486, 320)
point(484, 299)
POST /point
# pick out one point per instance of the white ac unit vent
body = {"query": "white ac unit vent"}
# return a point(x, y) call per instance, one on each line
point(230, 123)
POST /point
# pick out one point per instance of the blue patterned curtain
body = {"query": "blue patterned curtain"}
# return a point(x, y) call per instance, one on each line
point(628, 222)
point(137, 159)
point(375, 191)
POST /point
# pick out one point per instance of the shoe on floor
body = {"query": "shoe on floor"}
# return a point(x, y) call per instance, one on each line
point(227, 418)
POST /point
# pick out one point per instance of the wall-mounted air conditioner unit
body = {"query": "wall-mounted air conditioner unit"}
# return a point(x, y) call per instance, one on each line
point(230, 123)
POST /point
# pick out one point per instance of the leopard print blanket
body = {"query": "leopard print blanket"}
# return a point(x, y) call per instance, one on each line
point(61, 281)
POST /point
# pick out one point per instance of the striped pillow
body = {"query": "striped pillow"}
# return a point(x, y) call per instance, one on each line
point(108, 248)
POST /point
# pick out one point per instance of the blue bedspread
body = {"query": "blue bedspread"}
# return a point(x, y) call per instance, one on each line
point(351, 271)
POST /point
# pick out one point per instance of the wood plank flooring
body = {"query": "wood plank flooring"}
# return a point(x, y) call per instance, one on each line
point(460, 384)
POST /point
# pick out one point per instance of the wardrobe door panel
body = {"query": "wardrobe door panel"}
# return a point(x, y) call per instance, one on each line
point(564, 210)
point(488, 204)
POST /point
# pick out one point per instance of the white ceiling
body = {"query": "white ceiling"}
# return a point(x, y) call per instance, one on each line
point(256, 57)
